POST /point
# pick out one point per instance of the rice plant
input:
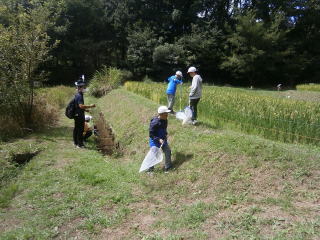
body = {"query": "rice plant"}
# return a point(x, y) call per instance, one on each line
point(275, 118)
point(308, 87)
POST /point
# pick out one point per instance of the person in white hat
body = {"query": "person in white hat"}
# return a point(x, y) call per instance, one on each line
point(158, 135)
point(195, 92)
point(172, 87)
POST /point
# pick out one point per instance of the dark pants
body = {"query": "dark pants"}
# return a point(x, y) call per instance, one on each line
point(87, 135)
point(78, 130)
point(194, 108)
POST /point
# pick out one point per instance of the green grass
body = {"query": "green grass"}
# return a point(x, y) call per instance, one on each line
point(225, 185)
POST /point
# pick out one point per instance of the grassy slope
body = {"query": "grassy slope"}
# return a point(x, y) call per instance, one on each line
point(226, 185)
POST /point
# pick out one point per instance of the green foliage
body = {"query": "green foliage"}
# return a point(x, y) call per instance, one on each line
point(308, 87)
point(106, 79)
point(24, 46)
point(169, 57)
point(255, 49)
point(142, 42)
point(202, 47)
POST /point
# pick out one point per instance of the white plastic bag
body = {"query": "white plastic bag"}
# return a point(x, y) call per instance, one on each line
point(153, 157)
point(185, 116)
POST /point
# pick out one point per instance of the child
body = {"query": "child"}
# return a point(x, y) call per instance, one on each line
point(158, 135)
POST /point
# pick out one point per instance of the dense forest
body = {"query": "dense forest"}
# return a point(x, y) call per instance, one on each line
point(237, 42)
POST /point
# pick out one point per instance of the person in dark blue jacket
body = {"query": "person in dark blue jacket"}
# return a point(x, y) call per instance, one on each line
point(158, 135)
point(172, 87)
point(79, 118)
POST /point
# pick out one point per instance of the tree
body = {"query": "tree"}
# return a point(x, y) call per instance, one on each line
point(142, 42)
point(256, 51)
point(24, 45)
point(203, 49)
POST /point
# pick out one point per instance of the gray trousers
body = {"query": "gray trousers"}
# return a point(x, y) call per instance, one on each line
point(170, 98)
point(167, 153)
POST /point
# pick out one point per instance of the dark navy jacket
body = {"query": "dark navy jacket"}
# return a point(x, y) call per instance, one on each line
point(157, 131)
point(79, 100)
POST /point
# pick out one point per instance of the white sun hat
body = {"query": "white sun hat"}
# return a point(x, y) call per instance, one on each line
point(179, 73)
point(87, 118)
point(163, 109)
point(191, 69)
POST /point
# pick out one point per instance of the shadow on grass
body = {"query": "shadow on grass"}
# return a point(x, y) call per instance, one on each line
point(181, 158)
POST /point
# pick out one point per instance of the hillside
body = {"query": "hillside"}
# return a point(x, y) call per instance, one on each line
point(225, 185)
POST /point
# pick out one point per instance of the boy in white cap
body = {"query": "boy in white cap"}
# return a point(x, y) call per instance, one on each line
point(172, 87)
point(158, 135)
point(195, 92)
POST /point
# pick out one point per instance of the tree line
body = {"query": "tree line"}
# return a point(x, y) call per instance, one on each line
point(237, 42)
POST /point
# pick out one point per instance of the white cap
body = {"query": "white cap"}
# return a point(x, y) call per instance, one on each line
point(179, 73)
point(163, 109)
point(192, 69)
point(87, 118)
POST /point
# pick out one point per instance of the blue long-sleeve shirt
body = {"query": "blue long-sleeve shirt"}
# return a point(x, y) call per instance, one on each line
point(172, 85)
point(157, 131)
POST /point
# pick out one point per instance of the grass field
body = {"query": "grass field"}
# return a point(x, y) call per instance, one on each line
point(225, 185)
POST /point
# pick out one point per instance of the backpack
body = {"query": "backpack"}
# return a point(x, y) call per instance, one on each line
point(71, 109)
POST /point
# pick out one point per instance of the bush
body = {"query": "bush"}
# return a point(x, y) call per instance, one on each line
point(106, 79)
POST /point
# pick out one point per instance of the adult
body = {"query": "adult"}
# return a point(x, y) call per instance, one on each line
point(172, 87)
point(195, 92)
point(79, 118)
point(158, 135)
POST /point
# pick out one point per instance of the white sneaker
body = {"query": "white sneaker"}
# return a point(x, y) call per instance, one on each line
point(194, 122)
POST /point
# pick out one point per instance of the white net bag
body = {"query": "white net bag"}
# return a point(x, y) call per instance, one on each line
point(153, 157)
point(185, 116)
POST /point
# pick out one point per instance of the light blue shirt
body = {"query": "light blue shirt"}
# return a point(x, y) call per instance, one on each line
point(172, 86)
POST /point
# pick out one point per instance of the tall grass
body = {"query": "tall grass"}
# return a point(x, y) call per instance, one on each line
point(308, 87)
point(46, 105)
point(281, 119)
point(58, 96)
point(106, 79)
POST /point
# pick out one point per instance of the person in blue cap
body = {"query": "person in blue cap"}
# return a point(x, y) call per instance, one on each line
point(172, 87)
point(79, 118)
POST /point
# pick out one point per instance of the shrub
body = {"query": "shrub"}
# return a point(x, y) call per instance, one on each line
point(106, 79)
